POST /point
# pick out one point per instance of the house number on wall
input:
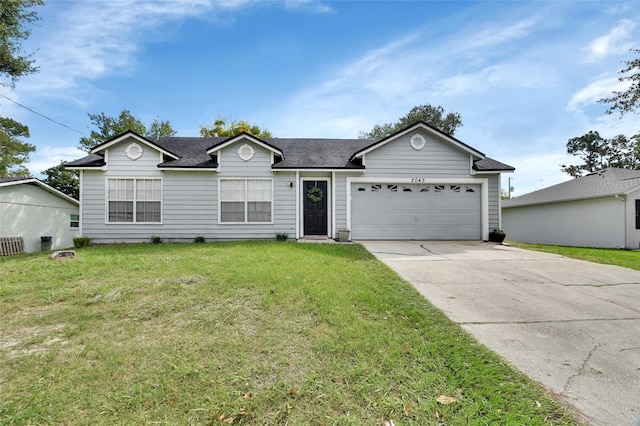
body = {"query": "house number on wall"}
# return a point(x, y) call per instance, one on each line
point(417, 180)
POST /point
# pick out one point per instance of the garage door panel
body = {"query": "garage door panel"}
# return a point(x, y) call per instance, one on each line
point(415, 211)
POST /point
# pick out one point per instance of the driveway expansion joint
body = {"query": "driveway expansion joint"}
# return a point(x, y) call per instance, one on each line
point(565, 321)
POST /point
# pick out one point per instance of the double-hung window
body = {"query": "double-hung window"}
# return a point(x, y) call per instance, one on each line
point(246, 200)
point(134, 200)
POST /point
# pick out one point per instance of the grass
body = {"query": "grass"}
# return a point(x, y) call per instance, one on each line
point(618, 257)
point(255, 333)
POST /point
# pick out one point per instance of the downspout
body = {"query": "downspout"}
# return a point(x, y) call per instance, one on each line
point(624, 211)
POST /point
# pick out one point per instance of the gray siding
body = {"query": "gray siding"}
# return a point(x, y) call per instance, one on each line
point(341, 199)
point(438, 159)
point(494, 201)
point(189, 199)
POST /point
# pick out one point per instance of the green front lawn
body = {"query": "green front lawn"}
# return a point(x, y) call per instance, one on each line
point(618, 257)
point(242, 333)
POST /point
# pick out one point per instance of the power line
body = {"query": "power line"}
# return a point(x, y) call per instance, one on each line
point(42, 115)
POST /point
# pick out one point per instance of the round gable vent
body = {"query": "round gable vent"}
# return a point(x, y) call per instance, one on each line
point(246, 152)
point(133, 151)
point(417, 142)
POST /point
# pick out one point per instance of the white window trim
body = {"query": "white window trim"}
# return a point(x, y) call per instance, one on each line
point(74, 228)
point(106, 198)
point(246, 222)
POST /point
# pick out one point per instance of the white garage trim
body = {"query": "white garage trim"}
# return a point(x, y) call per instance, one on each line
point(484, 190)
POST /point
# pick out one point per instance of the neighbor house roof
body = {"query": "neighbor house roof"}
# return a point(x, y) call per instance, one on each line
point(11, 181)
point(294, 153)
point(608, 182)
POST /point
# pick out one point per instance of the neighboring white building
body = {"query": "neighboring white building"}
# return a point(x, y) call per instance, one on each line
point(601, 209)
point(418, 183)
point(32, 209)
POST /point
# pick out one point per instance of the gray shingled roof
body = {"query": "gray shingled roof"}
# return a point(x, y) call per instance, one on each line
point(490, 165)
point(91, 160)
point(298, 154)
point(318, 153)
point(12, 179)
point(192, 151)
point(608, 182)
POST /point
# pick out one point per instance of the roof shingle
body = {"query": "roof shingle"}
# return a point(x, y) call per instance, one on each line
point(608, 182)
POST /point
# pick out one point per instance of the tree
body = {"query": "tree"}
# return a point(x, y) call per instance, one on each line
point(434, 116)
point(629, 100)
point(227, 127)
point(14, 63)
point(108, 127)
point(13, 152)
point(14, 15)
point(598, 153)
point(63, 180)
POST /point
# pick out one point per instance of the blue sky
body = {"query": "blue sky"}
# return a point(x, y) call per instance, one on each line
point(525, 76)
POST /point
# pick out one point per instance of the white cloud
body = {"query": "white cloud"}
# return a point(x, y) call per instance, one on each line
point(312, 6)
point(616, 41)
point(534, 172)
point(601, 87)
point(88, 40)
point(48, 156)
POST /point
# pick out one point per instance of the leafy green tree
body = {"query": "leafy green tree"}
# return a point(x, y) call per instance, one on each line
point(223, 127)
point(598, 153)
point(14, 15)
point(436, 117)
point(108, 127)
point(14, 63)
point(63, 180)
point(13, 152)
point(629, 100)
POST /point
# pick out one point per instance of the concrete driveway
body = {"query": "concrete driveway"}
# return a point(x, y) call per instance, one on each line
point(573, 326)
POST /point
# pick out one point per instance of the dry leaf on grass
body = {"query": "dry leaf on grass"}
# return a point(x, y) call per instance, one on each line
point(445, 400)
point(407, 407)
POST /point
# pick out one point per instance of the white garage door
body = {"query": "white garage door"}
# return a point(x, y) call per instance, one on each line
point(387, 211)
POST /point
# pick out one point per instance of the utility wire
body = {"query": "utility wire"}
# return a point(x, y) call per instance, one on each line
point(42, 115)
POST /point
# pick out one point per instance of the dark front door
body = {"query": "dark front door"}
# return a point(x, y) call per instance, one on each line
point(315, 207)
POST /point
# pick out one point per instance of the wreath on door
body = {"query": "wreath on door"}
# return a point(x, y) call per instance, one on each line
point(315, 194)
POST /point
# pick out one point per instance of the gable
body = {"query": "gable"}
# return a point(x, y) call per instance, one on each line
point(426, 131)
point(132, 139)
point(32, 192)
point(418, 154)
point(246, 139)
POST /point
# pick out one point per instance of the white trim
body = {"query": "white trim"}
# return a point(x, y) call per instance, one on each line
point(129, 134)
point(80, 208)
point(246, 213)
point(492, 172)
point(248, 137)
point(416, 126)
point(333, 205)
point(301, 199)
point(484, 192)
point(298, 233)
point(134, 222)
point(499, 201)
point(43, 186)
point(312, 170)
point(188, 169)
